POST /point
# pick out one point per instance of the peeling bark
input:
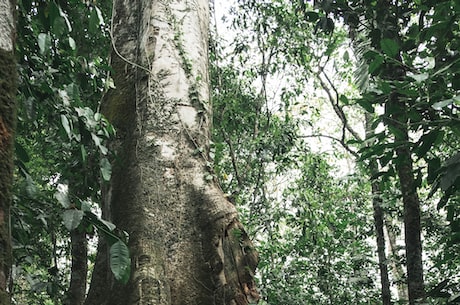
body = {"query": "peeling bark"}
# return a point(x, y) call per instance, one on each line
point(186, 244)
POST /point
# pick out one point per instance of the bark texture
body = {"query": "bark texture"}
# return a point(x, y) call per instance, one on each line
point(396, 109)
point(77, 289)
point(187, 245)
point(8, 84)
point(379, 218)
point(399, 276)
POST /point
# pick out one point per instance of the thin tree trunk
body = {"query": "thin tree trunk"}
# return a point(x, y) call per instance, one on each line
point(396, 119)
point(379, 223)
point(77, 289)
point(398, 271)
point(8, 83)
point(412, 225)
point(186, 244)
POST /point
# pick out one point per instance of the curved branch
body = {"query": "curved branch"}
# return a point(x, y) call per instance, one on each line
point(233, 158)
point(341, 141)
point(334, 101)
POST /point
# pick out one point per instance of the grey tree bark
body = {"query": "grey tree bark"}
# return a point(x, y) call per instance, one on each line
point(379, 222)
point(8, 83)
point(187, 245)
point(396, 109)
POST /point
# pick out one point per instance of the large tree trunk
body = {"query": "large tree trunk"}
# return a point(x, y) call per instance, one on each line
point(186, 244)
point(8, 83)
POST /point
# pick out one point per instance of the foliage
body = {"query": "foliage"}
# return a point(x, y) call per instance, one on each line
point(310, 228)
point(62, 157)
point(308, 42)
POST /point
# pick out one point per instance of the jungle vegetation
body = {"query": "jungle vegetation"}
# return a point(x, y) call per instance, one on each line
point(335, 134)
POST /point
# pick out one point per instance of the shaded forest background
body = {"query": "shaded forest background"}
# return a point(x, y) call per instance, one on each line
point(335, 133)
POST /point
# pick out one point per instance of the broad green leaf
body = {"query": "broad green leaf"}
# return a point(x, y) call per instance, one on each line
point(433, 169)
point(427, 141)
point(420, 77)
point(110, 226)
point(451, 175)
point(53, 11)
point(59, 26)
point(72, 43)
point(85, 206)
point(21, 152)
point(344, 99)
point(44, 42)
point(311, 16)
point(366, 104)
point(66, 124)
point(389, 47)
point(72, 218)
point(444, 103)
point(120, 262)
point(63, 198)
point(31, 189)
point(94, 20)
point(98, 142)
point(375, 64)
point(106, 169)
point(398, 133)
point(99, 15)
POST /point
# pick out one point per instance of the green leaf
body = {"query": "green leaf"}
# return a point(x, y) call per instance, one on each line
point(375, 64)
point(420, 77)
point(106, 169)
point(311, 16)
point(21, 152)
point(433, 169)
point(72, 43)
point(450, 176)
point(398, 133)
point(59, 26)
point(366, 104)
point(85, 206)
point(344, 99)
point(444, 103)
point(94, 21)
point(120, 262)
point(66, 124)
point(389, 47)
point(44, 42)
point(72, 218)
point(110, 226)
point(31, 189)
point(426, 142)
point(84, 154)
point(98, 142)
point(63, 198)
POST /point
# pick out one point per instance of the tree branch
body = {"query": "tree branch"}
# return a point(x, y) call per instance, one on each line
point(334, 101)
point(341, 141)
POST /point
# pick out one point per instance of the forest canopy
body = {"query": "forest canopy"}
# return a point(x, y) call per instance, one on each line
point(334, 133)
